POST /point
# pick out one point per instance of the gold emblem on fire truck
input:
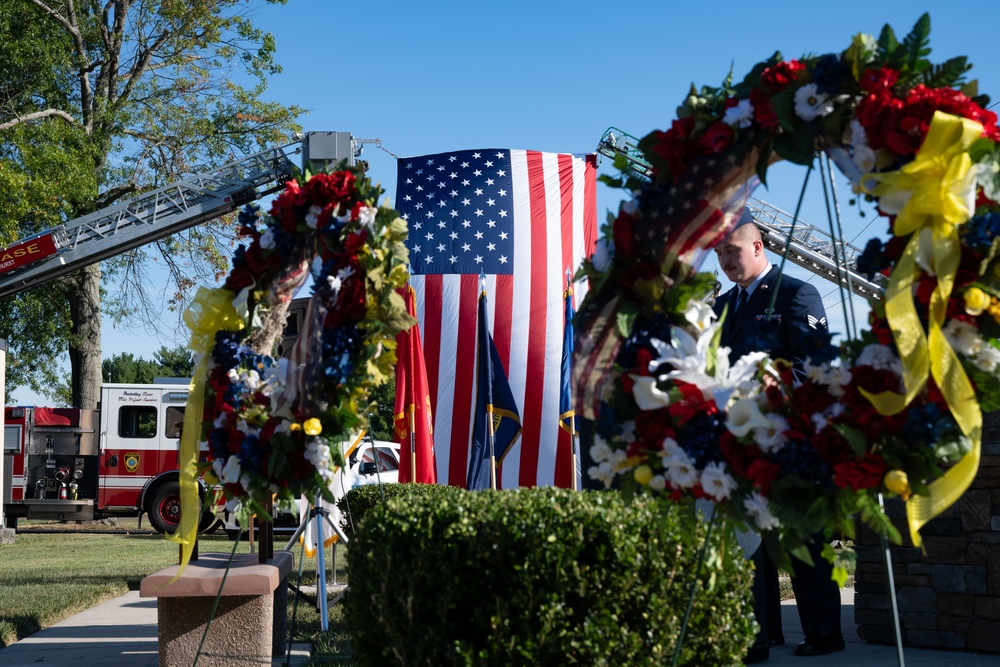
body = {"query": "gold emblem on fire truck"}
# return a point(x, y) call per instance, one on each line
point(131, 461)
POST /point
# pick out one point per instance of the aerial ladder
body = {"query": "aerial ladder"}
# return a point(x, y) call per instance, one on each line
point(172, 208)
point(803, 244)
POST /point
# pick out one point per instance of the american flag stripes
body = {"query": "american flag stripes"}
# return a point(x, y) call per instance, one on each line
point(521, 218)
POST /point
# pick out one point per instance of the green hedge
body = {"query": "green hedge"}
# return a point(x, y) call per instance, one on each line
point(357, 501)
point(542, 576)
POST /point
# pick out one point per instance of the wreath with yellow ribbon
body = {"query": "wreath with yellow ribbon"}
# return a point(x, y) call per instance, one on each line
point(271, 426)
point(899, 410)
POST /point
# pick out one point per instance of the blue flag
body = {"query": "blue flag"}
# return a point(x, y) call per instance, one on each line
point(566, 411)
point(493, 396)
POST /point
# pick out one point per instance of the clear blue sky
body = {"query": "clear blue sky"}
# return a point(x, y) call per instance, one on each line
point(427, 77)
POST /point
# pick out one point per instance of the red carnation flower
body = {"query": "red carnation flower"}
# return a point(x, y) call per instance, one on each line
point(676, 147)
point(623, 233)
point(860, 474)
point(718, 137)
point(653, 426)
point(878, 80)
point(325, 189)
point(763, 473)
point(763, 113)
point(777, 77)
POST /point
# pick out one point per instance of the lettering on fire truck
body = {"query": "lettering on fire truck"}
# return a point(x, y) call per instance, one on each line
point(26, 252)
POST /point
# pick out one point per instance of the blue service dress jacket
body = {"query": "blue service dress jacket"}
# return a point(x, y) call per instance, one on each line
point(795, 328)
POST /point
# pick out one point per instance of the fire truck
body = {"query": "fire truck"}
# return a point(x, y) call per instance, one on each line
point(81, 465)
point(62, 463)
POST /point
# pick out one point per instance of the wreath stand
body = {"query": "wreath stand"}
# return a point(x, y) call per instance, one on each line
point(322, 516)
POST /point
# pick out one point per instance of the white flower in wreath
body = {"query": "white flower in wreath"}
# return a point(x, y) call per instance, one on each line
point(229, 472)
point(759, 509)
point(699, 314)
point(987, 359)
point(267, 239)
point(366, 217)
point(963, 337)
point(810, 103)
point(771, 438)
point(861, 153)
point(647, 395)
point(880, 357)
point(740, 115)
point(744, 416)
point(658, 483)
point(312, 217)
point(988, 176)
point(821, 419)
point(689, 357)
point(716, 482)
point(681, 472)
point(604, 252)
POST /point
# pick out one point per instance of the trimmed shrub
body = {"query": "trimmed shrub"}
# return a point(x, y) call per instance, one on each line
point(357, 501)
point(541, 577)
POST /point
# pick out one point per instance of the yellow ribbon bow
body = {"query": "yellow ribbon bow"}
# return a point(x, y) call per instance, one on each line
point(931, 195)
point(211, 311)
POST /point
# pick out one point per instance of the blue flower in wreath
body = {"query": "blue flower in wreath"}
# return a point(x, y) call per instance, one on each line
point(700, 435)
point(799, 457)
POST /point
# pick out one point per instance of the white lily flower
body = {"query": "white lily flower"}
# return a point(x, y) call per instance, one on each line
point(759, 509)
point(699, 314)
point(716, 482)
point(230, 471)
point(689, 357)
point(366, 216)
point(647, 395)
point(744, 416)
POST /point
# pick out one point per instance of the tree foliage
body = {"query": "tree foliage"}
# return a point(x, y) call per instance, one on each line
point(102, 100)
point(177, 362)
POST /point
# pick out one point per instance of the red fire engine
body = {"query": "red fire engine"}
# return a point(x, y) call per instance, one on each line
point(82, 465)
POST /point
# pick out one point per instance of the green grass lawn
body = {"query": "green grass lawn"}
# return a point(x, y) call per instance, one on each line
point(47, 577)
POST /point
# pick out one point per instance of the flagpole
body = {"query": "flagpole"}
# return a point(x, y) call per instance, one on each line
point(573, 447)
point(493, 458)
point(413, 443)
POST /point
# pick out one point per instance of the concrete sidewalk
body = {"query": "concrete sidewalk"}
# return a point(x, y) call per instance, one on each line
point(122, 632)
point(117, 633)
point(858, 652)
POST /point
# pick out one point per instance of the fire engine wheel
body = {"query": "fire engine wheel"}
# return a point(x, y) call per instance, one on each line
point(165, 508)
point(165, 511)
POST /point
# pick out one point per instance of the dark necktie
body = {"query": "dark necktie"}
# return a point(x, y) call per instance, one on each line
point(741, 301)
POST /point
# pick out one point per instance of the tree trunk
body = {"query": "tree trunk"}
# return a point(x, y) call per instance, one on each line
point(83, 292)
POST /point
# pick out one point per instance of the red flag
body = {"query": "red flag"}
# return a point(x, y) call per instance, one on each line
point(521, 218)
point(412, 415)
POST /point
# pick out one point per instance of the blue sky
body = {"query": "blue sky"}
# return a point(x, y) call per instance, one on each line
point(427, 77)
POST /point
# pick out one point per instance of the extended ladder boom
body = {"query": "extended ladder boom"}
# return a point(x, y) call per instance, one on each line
point(806, 245)
point(145, 218)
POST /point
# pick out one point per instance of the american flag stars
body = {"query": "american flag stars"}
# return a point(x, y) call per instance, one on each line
point(460, 212)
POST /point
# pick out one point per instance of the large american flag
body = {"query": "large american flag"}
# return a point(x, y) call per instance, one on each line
point(521, 218)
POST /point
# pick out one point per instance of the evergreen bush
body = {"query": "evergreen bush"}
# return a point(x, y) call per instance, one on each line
point(540, 576)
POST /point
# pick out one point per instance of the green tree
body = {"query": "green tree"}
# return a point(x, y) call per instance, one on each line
point(177, 362)
point(384, 396)
point(101, 100)
point(127, 368)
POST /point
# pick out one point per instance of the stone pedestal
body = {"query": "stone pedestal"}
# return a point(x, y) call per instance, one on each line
point(250, 622)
